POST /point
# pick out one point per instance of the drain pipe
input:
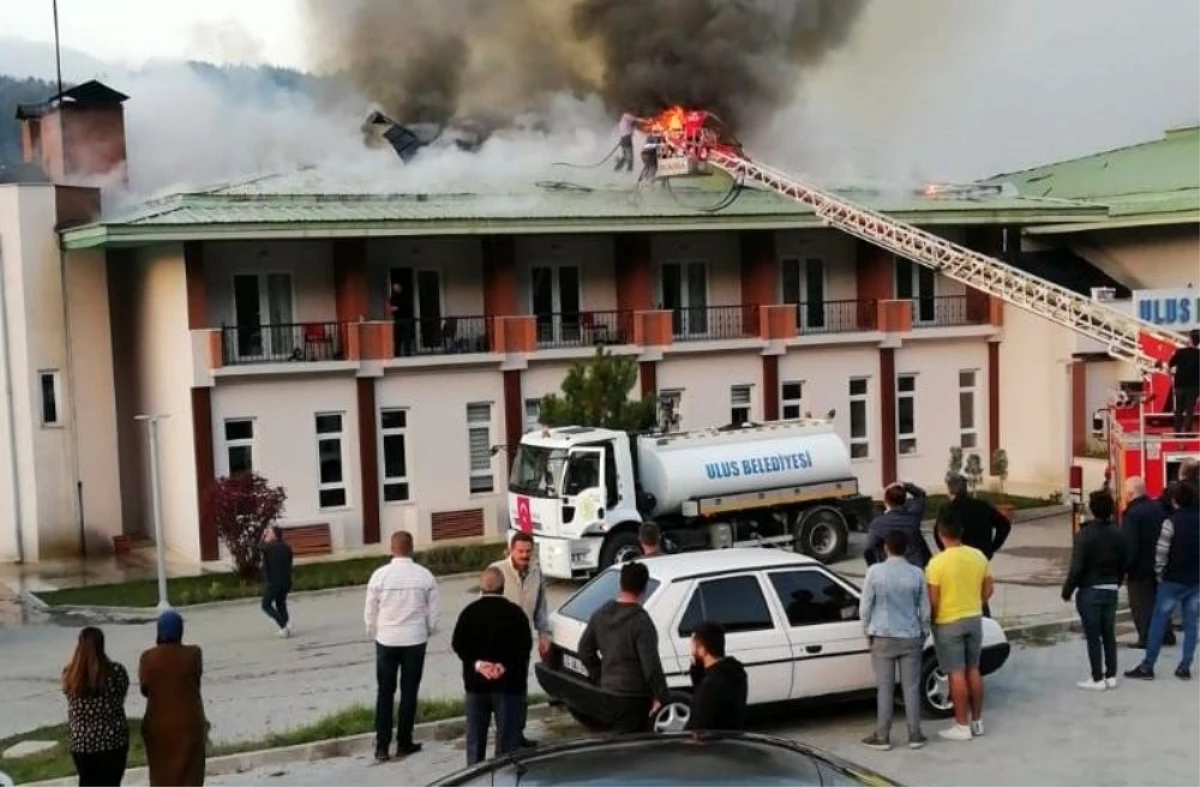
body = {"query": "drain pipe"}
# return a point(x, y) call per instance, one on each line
point(11, 411)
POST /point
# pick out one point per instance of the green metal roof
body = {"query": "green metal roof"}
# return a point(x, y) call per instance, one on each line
point(1153, 182)
point(274, 208)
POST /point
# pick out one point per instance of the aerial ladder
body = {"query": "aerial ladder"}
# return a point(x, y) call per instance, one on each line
point(693, 143)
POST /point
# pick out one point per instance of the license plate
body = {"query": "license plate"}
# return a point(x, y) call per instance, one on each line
point(574, 665)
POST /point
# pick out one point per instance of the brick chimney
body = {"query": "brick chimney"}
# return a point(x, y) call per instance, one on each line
point(77, 135)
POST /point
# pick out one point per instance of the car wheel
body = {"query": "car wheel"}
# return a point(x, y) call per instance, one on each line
point(587, 722)
point(935, 689)
point(618, 548)
point(674, 716)
point(822, 534)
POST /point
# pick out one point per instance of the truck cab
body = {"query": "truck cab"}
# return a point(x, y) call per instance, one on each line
point(571, 487)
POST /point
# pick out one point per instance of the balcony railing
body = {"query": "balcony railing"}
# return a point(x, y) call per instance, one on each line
point(702, 323)
point(441, 336)
point(583, 329)
point(833, 316)
point(940, 311)
point(303, 342)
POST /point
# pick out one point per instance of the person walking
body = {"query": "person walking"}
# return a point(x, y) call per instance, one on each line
point(623, 635)
point(1098, 560)
point(719, 683)
point(1177, 565)
point(904, 506)
point(895, 612)
point(1140, 524)
point(960, 584)
point(525, 587)
point(493, 641)
point(984, 527)
point(277, 578)
point(401, 615)
point(174, 727)
point(1185, 366)
point(97, 729)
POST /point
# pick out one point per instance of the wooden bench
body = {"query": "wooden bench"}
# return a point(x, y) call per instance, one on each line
point(307, 540)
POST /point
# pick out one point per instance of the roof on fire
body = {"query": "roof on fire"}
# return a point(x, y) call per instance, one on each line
point(301, 205)
point(1150, 183)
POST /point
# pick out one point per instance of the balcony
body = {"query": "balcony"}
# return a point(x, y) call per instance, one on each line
point(441, 336)
point(300, 342)
point(708, 323)
point(942, 311)
point(583, 329)
point(822, 317)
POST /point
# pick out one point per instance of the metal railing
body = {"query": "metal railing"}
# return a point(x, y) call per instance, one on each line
point(302, 341)
point(583, 329)
point(441, 336)
point(940, 311)
point(833, 316)
point(701, 323)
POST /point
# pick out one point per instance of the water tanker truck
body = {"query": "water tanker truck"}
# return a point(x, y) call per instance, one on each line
point(583, 493)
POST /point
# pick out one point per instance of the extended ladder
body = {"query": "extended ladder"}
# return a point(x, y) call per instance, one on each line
point(1126, 338)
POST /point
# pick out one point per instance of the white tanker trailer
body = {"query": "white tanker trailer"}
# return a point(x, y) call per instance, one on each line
point(583, 494)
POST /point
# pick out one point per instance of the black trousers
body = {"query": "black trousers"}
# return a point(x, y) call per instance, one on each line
point(629, 715)
point(1185, 405)
point(102, 768)
point(409, 662)
point(480, 708)
point(1141, 606)
point(1098, 613)
point(625, 154)
point(274, 603)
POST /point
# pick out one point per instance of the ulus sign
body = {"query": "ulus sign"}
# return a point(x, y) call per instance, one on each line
point(1175, 309)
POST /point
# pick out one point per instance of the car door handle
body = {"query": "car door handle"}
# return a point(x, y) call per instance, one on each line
point(812, 648)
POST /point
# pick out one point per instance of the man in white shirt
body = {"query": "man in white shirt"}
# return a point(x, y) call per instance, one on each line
point(625, 128)
point(401, 615)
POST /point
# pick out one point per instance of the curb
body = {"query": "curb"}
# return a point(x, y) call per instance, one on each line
point(228, 764)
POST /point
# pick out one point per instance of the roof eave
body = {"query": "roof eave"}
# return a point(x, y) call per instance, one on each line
point(1119, 223)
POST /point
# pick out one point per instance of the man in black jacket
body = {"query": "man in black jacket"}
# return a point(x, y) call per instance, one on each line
point(984, 527)
point(1185, 366)
point(718, 683)
point(1141, 523)
point(905, 508)
point(1098, 563)
point(277, 578)
point(619, 647)
point(493, 640)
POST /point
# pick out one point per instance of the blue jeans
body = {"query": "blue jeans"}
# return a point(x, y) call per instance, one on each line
point(507, 708)
point(409, 662)
point(1188, 598)
point(1098, 613)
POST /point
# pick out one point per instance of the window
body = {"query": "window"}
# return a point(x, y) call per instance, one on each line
point(736, 603)
point(533, 414)
point(967, 431)
point(394, 426)
point(739, 405)
point(331, 489)
point(906, 413)
point(804, 285)
point(918, 283)
point(860, 441)
point(597, 593)
point(479, 439)
point(239, 445)
point(50, 383)
point(791, 395)
point(812, 598)
point(684, 290)
point(670, 410)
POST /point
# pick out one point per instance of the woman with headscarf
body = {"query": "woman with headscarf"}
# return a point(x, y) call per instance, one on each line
point(96, 723)
point(174, 727)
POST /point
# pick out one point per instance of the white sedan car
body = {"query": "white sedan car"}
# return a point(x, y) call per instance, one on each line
point(792, 622)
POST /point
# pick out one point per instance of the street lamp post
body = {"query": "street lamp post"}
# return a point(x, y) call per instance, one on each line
point(151, 422)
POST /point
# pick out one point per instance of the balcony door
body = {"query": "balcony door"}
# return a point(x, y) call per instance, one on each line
point(684, 290)
point(804, 285)
point(919, 284)
point(554, 301)
point(420, 308)
point(263, 315)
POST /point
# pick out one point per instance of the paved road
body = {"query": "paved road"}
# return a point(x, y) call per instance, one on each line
point(1041, 730)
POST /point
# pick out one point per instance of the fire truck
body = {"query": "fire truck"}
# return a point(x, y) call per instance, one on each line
point(1141, 436)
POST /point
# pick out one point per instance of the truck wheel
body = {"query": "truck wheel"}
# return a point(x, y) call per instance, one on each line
point(935, 689)
point(619, 547)
point(822, 534)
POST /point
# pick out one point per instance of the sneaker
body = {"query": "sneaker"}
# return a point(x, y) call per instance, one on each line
point(381, 755)
point(873, 741)
point(917, 741)
point(526, 743)
point(403, 750)
point(284, 633)
point(957, 732)
point(1141, 672)
point(1110, 683)
point(977, 728)
point(1184, 673)
point(1092, 685)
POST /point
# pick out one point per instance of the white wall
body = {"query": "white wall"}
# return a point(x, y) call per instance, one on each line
point(1143, 258)
point(706, 379)
point(309, 262)
point(285, 443)
point(594, 254)
point(459, 261)
point(719, 249)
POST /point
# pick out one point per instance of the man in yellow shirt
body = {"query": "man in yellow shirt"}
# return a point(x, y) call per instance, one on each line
point(959, 585)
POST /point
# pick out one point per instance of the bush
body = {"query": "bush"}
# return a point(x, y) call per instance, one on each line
point(974, 471)
point(1000, 466)
point(243, 506)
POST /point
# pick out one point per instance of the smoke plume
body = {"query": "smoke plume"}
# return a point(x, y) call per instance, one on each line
point(430, 60)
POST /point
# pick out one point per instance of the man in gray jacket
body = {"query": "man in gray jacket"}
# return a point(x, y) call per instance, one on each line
point(619, 647)
point(905, 508)
point(525, 587)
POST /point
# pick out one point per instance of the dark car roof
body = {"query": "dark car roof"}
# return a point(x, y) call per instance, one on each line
point(715, 759)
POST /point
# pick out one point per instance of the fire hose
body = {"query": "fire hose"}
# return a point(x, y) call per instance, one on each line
point(589, 166)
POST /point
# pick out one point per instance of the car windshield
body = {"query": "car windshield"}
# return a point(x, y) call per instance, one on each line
point(537, 471)
point(596, 593)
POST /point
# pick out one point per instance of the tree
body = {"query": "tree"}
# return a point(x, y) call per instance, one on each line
point(974, 471)
point(595, 393)
point(1000, 466)
point(956, 460)
point(243, 507)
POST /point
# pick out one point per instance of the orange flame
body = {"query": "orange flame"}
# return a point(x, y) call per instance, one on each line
point(672, 120)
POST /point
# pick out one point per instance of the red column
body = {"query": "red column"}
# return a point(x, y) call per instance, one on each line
point(993, 397)
point(648, 372)
point(368, 459)
point(887, 414)
point(350, 279)
point(634, 271)
point(202, 443)
point(875, 270)
point(499, 276)
point(770, 383)
point(197, 297)
point(759, 267)
point(514, 412)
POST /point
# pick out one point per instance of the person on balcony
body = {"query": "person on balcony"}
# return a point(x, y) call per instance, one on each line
point(403, 327)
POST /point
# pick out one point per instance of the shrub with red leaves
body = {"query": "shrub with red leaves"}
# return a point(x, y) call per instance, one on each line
point(243, 506)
